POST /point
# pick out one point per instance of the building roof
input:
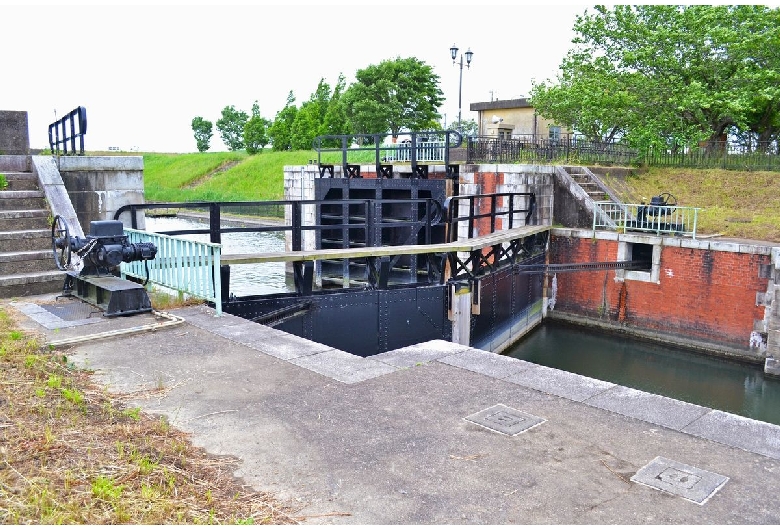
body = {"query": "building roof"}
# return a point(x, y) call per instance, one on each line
point(520, 103)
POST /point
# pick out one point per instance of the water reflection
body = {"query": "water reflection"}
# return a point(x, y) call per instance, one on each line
point(253, 279)
point(720, 384)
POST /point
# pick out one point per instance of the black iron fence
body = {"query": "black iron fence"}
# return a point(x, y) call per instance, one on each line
point(417, 149)
point(576, 149)
point(68, 129)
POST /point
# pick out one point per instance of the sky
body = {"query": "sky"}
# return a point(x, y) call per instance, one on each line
point(143, 72)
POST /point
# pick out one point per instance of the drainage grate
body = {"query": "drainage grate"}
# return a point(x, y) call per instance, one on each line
point(73, 310)
point(691, 483)
point(505, 420)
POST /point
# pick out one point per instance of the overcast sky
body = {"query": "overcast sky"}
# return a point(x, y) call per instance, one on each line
point(143, 72)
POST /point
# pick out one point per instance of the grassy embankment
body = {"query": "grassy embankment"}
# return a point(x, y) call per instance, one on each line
point(740, 204)
point(735, 203)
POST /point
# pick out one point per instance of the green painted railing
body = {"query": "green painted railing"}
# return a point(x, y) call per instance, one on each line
point(187, 266)
point(661, 220)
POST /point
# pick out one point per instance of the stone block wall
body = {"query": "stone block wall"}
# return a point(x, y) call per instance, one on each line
point(701, 294)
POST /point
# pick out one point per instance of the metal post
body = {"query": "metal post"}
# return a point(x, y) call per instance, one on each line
point(215, 234)
point(460, 92)
point(461, 313)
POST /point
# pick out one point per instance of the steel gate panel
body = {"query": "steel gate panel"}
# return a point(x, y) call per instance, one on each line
point(361, 322)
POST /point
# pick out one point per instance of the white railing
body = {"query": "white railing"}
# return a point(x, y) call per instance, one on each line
point(672, 220)
point(187, 266)
point(402, 152)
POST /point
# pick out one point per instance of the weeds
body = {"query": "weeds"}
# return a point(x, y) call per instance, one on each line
point(70, 453)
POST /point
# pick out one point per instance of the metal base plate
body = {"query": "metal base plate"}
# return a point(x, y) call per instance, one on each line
point(688, 482)
point(505, 420)
point(115, 296)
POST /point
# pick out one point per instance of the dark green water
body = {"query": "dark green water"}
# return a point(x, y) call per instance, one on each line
point(719, 384)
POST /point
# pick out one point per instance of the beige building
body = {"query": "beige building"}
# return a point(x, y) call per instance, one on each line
point(513, 118)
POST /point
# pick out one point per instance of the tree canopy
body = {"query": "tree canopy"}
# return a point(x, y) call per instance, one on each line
point(256, 131)
point(393, 96)
point(203, 132)
point(280, 130)
point(231, 127)
point(660, 73)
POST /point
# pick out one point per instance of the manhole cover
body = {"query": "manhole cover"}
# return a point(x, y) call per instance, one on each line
point(693, 484)
point(72, 311)
point(505, 420)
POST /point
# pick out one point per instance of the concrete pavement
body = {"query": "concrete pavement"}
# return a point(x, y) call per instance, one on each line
point(434, 433)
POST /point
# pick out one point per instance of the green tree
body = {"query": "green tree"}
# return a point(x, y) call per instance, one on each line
point(203, 132)
point(310, 119)
point(470, 128)
point(280, 130)
point(231, 127)
point(664, 73)
point(336, 122)
point(256, 131)
point(394, 96)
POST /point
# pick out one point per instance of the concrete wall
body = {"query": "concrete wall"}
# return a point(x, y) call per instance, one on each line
point(573, 207)
point(14, 133)
point(99, 185)
point(703, 294)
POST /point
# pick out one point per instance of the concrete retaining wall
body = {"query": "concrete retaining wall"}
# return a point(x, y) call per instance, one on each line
point(14, 133)
point(99, 185)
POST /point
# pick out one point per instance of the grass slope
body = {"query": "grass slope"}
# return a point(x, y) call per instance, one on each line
point(743, 204)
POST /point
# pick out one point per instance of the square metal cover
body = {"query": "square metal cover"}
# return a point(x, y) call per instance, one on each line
point(505, 420)
point(72, 310)
point(688, 482)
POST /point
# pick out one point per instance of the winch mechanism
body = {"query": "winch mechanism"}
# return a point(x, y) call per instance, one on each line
point(101, 252)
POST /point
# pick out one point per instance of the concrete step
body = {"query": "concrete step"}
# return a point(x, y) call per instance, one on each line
point(22, 200)
point(31, 283)
point(24, 219)
point(20, 181)
point(25, 240)
point(14, 163)
point(28, 261)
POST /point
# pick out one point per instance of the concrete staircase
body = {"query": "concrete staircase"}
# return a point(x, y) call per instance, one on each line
point(26, 259)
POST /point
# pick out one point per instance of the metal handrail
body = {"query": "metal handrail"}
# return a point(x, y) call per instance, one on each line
point(369, 222)
point(502, 213)
point(658, 219)
point(184, 265)
point(77, 120)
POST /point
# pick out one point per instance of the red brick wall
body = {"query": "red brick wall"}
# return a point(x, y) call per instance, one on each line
point(701, 294)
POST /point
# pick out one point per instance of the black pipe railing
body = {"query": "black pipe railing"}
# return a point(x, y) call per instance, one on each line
point(69, 128)
point(360, 220)
point(483, 212)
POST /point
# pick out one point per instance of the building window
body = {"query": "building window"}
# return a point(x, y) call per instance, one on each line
point(555, 133)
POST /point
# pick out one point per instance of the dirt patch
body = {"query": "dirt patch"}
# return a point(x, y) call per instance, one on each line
point(224, 166)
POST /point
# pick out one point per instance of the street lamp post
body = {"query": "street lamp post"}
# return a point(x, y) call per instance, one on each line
point(469, 54)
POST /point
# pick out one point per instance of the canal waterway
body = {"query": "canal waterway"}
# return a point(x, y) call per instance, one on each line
point(245, 280)
point(660, 369)
point(735, 387)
